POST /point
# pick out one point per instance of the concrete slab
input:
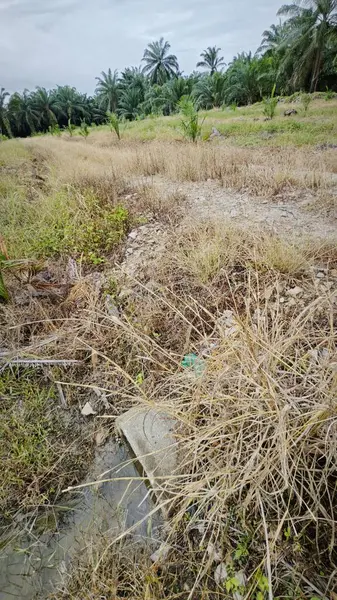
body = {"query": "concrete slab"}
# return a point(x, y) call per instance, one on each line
point(150, 434)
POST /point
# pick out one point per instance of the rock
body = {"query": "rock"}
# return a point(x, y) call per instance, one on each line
point(111, 307)
point(133, 234)
point(320, 275)
point(290, 112)
point(294, 291)
point(220, 573)
point(215, 133)
point(100, 437)
point(87, 410)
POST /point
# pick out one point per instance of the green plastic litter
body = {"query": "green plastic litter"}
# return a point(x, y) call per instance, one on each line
point(193, 361)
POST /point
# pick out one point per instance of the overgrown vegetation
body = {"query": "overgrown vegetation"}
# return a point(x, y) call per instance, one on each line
point(256, 425)
point(38, 453)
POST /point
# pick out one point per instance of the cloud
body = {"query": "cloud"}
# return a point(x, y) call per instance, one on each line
point(50, 42)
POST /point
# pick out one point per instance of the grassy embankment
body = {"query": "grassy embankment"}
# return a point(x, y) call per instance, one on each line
point(258, 427)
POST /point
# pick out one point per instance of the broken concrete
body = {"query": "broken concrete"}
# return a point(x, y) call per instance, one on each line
point(150, 434)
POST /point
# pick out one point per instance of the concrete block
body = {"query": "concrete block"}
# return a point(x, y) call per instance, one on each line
point(150, 434)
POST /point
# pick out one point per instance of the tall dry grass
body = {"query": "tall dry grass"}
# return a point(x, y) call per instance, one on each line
point(264, 172)
point(256, 427)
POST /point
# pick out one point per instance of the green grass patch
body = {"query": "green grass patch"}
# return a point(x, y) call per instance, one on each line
point(35, 442)
point(66, 222)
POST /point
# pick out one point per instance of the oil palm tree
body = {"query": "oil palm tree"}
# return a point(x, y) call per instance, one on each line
point(129, 104)
point(107, 90)
point(23, 113)
point(5, 128)
point(159, 64)
point(211, 59)
point(209, 91)
point(69, 103)
point(43, 102)
point(312, 25)
point(272, 38)
point(242, 84)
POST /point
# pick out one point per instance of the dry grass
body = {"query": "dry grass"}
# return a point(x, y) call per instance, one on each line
point(264, 172)
point(257, 428)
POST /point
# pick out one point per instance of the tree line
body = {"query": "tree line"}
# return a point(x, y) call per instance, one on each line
point(298, 53)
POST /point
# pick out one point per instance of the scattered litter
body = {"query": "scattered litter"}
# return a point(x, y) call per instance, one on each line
point(220, 573)
point(192, 360)
point(87, 410)
point(214, 553)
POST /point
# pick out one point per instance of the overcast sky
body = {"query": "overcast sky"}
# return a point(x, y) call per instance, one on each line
point(50, 42)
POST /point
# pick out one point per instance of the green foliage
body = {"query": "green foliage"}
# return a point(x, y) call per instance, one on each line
point(329, 94)
point(306, 101)
point(107, 90)
point(90, 233)
point(270, 104)
point(211, 59)
point(70, 128)
point(84, 130)
point(114, 123)
point(190, 122)
point(55, 130)
point(159, 64)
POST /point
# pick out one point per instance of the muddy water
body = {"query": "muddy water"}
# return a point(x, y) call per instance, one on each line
point(32, 566)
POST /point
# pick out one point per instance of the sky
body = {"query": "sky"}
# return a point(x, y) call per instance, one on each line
point(69, 42)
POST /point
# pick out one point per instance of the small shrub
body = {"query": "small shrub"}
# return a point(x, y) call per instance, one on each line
point(270, 104)
point(84, 131)
point(114, 123)
point(70, 128)
point(190, 123)
point(55, 130)
point(306, 100)
point(329, 94)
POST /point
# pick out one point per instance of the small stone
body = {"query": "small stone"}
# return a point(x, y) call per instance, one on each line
point(87, 410)
point(320, 275)
point(111, 307)
point(100, 437)
point(295, 291)
point(282, 300)
point(133, 234)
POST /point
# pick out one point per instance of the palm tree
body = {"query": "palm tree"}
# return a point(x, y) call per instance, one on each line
point(129, 105)
point(24, 114)
point(107, 90)
point(209, 91)
point(243, 80)
point(211, 59)
point(312, 25)
point(43, 102)
point(272, 38)
point(4, 121)
point(68, 102)
point(160, 65)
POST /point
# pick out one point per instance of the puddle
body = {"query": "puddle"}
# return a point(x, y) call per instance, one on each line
point(33, 566)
